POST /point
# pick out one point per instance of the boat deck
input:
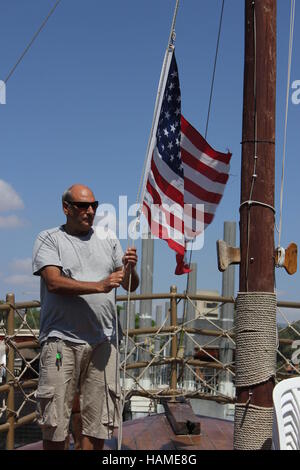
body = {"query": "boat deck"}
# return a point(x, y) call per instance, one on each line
point(155, 433)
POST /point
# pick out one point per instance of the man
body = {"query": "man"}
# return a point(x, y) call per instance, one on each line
point(78, 331)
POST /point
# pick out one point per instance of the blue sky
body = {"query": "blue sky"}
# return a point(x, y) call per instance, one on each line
point(79, 109)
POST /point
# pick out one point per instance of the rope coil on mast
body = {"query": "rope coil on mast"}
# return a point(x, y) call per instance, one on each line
point(247, 436)
point(255, 336)
point(256, 342)
point(257, 203)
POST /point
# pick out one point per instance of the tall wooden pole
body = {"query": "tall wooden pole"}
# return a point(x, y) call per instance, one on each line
point(258, 165)
point(173, 290)
point(10, 438)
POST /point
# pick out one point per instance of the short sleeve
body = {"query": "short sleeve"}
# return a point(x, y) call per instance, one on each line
point(117, 252)
point(45, 253)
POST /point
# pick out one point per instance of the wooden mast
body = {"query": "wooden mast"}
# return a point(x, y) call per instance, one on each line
point(257, 231)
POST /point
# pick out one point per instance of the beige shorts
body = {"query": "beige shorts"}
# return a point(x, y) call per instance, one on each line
point(91, 370)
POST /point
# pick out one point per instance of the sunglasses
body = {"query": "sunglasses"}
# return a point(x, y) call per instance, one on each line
point(84, 205)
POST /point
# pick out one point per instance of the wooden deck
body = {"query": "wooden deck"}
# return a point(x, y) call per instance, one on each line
point(155, 433)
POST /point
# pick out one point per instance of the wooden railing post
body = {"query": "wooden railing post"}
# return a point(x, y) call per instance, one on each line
point(173, 290)
point(10, 438)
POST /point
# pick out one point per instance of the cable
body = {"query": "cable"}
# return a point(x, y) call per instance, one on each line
point(214, 71)
point(292, 23)
point(142, 184)
point(206, 130)
point(161, 85)
point(123, 396)
point(31, 42)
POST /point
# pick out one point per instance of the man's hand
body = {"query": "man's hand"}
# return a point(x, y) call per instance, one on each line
point(111, 282)
point(130, 258)
point(58, 284)
point(129, 261)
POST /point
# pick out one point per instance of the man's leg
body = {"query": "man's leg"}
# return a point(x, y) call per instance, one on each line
point(99, 399)
point(76, 423)
point(51, 445)
point(91, 443)
point(56, 389)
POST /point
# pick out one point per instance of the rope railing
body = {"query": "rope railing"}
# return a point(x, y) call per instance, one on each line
point(19, 355)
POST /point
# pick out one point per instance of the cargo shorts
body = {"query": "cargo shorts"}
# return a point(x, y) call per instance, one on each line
point(67, 368)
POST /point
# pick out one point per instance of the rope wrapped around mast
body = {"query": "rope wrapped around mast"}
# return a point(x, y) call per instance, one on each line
point(255, 333)
point(249, 436)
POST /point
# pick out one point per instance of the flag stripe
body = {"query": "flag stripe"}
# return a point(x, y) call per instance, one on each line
point(201, 167)
point(174, 221)
point(189, 147)
point(207, 216)
point(162, 195)
point(197, 212)
point(200, 192)
point(192, 199)
point(161, 231)
point(201, 144)
point(202, 180)
point(164, 184)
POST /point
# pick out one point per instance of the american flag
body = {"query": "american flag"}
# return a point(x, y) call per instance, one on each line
point(186, 178)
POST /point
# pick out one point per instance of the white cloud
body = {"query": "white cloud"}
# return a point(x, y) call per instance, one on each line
point(10, 221)
point(22, 280)
point(21, 274)
point(9, 198)
point(21, 265)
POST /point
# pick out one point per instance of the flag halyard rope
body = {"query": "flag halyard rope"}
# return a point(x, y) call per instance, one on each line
point(143, 180)
point(291, 40)
point(10, 73)
point(180, 344)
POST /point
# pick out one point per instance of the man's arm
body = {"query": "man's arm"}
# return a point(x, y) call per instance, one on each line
point(58, 284)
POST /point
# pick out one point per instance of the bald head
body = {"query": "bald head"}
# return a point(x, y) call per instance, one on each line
point(78, 192)
point(80, 207)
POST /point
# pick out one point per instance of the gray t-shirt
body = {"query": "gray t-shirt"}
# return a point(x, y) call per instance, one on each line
point(82, 318)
